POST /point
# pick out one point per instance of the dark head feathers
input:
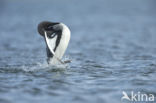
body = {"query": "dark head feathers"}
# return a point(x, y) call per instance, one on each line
point(45, 26)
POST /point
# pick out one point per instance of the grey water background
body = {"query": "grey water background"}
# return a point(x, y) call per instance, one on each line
point(112, 48)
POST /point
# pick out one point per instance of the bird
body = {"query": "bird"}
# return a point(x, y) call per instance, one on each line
point(57, 37)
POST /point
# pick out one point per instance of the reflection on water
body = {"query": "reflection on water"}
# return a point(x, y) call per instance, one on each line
point(112, 49)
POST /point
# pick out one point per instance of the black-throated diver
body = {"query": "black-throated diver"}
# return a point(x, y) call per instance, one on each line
point(57, 36)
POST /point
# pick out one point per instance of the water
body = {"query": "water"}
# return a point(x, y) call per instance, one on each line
point(112, 49)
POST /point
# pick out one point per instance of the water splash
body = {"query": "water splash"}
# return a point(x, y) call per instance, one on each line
point(39, 66)
point(45, 67)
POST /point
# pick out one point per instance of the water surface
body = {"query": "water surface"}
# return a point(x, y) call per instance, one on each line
point(112, 49)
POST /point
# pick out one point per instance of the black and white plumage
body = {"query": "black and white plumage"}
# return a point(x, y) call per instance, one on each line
point(57, 36)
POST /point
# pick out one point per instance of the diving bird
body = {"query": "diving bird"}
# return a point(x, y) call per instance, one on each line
point(56, 36)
